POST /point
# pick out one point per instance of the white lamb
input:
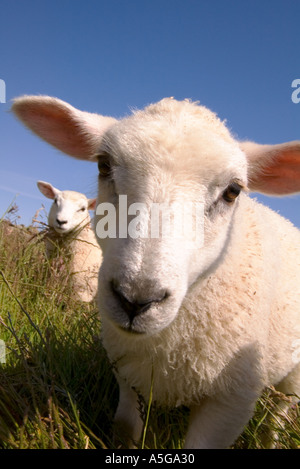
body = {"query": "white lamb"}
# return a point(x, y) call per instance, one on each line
point(70, 234)
point(214, 324)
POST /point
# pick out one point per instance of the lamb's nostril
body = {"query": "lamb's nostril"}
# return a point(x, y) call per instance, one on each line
point(61, 222)
point(136, 307)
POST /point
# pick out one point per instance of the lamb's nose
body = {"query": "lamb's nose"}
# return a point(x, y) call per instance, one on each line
point(134, 308)
point(61, 222)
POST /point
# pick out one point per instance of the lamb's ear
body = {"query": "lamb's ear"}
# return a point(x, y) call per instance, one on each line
point(273, 169)
point(74, 132)
point(92, 204)
point(47, 189)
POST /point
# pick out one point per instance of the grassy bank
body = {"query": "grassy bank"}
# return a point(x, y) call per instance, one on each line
point(57, 389)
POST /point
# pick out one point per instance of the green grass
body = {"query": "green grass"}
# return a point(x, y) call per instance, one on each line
point(57, 389)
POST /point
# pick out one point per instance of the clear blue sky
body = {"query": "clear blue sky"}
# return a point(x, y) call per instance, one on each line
point(238, 57)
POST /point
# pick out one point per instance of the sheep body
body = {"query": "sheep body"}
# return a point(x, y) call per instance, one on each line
point(213, 325)
point(70, 237)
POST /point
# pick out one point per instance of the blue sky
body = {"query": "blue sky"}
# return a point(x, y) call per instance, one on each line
point(238, 57)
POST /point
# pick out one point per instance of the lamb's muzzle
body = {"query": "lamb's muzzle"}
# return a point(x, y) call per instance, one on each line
point(60, 223)
point(135, 307)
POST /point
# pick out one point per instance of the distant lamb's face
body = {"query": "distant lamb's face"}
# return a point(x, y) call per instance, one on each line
point(166, 163)
point(68, 212)
point(70, 209)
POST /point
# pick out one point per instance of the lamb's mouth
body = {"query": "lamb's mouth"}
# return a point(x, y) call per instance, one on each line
point(142, 326)
point(131, 331)
point(60, 229)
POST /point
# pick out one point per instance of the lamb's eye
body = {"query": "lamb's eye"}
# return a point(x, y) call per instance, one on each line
point(104, 166)
point(82, 209)
point(232, 192)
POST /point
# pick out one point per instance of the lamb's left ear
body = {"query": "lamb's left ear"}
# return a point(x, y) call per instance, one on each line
point(273, 169)
point(74, 132)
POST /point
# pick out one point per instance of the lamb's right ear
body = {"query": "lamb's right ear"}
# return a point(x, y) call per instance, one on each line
point(273, 169)
point(92, 204)
point(47, 189)
point(74, 132)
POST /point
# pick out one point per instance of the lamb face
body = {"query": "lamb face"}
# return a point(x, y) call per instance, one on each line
point(70, 209)
point(68, 212)
point(167, 167)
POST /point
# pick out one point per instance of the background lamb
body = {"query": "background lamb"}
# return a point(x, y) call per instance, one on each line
point(212, 325)
point(71, 238)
